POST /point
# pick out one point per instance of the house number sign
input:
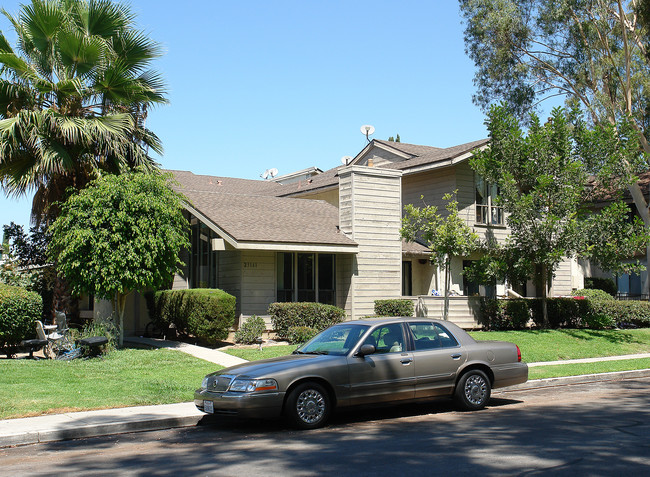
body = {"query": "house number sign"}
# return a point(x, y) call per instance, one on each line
point(250, 264)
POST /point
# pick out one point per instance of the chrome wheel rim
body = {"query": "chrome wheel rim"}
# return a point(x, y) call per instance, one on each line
point(475, 389)
point(310, 406)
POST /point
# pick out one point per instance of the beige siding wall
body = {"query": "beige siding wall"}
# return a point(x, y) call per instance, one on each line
point(230, 276)
point(370, 213)
point(344, 272)
point(379, 157)
point(258, 288)
point(329, 196)
point(432, 185)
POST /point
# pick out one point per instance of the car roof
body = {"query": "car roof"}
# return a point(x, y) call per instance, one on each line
point(377, 320)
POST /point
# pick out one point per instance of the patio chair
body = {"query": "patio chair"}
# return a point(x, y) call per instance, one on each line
point(57, 342)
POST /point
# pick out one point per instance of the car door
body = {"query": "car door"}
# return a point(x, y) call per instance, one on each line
point(437, 355)
point(387, 374)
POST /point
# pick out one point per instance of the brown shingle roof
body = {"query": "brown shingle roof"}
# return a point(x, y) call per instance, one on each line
point(420, 156)
point(190, 181)
point(255, 218)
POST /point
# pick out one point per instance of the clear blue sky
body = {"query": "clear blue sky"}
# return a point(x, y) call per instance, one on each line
point(287, 84)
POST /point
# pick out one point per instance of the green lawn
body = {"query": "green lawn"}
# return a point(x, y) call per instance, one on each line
point(535, 345)
point(133, 377)
point(559, 370)
point(553, 345)
point(129, 377)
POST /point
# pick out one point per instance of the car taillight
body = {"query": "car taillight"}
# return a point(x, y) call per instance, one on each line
point(518, 354)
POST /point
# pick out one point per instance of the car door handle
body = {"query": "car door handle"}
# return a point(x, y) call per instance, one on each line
point(406, 361)
point(456, 356)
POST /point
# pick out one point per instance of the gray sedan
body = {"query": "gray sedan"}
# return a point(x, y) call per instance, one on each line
point(365, 362)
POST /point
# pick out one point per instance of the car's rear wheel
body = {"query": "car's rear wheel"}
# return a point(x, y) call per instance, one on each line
point(308, 405)
point(473, 390)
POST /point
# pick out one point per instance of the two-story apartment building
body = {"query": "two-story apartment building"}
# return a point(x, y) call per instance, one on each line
point(333, 236)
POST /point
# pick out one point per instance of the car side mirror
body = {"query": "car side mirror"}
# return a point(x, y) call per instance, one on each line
point(366, 349)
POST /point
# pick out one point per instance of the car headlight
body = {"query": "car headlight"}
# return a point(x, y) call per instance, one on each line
point(253, 385)
point(204, 384)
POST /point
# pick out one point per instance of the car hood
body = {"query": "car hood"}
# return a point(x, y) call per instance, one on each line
point(266, 367)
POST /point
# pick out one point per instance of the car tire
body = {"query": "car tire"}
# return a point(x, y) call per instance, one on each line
point(473, 390)
point(308, 406)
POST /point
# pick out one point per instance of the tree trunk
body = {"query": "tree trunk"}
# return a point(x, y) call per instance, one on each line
point(544, 296)
point(445, 313)
point(119, 304)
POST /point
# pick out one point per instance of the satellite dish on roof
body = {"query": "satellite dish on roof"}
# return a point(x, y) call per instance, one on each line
point(345, 160)
point(269, 173)
point(367, 130)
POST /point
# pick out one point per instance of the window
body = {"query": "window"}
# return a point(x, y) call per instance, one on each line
point(306, 277)
point(431, 336)
point(387, 339)
point(407, 283)
point(204, 262)
point(487, 212)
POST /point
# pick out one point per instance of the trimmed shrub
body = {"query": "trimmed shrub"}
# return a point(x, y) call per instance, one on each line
point(606, 284)
point(313, 315)
point(19, 310)
point(300, 334)
point(505, 314)
point(205, 313)
point(625, 314)
point(250, 330)
point(562, 312)
point(593, 294)
point(394, 307)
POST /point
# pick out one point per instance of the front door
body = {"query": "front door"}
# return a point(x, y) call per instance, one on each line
point(386, 375)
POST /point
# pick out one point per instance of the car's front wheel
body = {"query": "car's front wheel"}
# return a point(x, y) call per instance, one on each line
point(473, 390)
point(308, 405)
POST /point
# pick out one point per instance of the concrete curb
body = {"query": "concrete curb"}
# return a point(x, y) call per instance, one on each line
point(77, 425)
point(570, 380)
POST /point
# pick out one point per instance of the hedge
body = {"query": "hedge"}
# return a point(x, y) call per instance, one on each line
point(606, 284)
point(505, 314)
point(312, 315)
point(596, 313)
point(394, 307)
point(19, 310)
point(206, 313)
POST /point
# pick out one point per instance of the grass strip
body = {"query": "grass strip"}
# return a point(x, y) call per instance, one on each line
point(127, 377)
point(578, 369)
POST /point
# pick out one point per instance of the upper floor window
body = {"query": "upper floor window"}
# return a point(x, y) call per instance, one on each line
point(487, 212)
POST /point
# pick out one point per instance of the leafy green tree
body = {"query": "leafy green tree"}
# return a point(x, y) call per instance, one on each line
point(74, 96)
point(594, 53)
point(394, 139)
point(26, 262)
point(543, 184)
point(447, 235)
point(120, 234)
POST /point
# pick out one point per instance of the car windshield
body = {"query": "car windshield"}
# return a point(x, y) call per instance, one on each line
point(337, 340)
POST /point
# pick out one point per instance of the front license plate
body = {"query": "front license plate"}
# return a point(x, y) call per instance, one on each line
point(208, 406)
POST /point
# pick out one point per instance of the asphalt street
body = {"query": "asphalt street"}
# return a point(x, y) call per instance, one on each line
point(587, 429)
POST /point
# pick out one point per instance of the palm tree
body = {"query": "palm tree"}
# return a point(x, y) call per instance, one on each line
point(74, 97)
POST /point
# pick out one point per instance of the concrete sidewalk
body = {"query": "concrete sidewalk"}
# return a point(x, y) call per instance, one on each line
point(212, 355)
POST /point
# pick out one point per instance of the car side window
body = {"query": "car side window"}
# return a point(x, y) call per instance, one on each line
point(387, 339)
point(431, 336)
